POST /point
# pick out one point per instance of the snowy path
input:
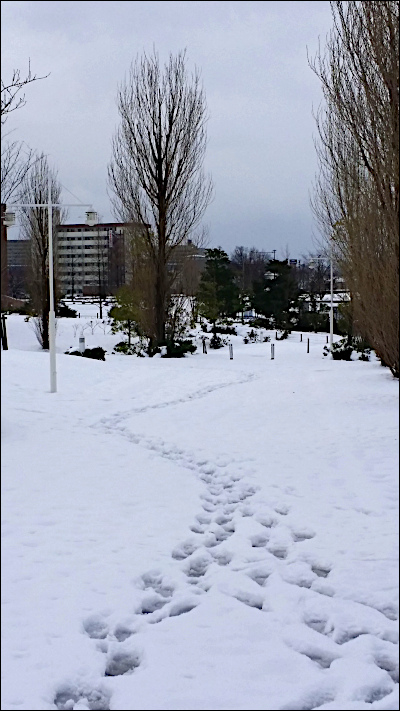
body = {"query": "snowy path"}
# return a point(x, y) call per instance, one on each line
point(202, 536)
point(245, 549)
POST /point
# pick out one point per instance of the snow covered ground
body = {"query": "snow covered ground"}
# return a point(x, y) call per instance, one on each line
point(201, 533)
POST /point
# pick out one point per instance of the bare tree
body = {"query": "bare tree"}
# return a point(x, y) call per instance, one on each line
point(156, 172)
point(116, 263)
point(140, 279)
point(249, 266)
point(101, 267)
point(16, 160)
point(313, 277)
point(11, 97)
point(35, 228)
point(356, 197)
point(16, 157)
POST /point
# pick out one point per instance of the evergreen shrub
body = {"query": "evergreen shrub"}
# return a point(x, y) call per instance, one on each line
point(341, 350)
point(64, 311)
point(217, 342)
point(95, 353)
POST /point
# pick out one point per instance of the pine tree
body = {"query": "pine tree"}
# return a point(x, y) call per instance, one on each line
point(218, 295)
point(276, 294)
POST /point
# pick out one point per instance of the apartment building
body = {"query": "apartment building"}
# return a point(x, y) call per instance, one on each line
point(91, 260)
point(18, 262)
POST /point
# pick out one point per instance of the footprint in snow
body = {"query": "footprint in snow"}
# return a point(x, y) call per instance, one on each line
point(184, 550)
point(280, 552)
point(229, 527)
point(96, 627)
point(250, 599)
point(320, 571)
point(283, 510)
point(151, 603)
point(69, 695)
point(222, 533)
point(155, 581)
point(197, 566)
point(259, 575)
point(303, 535)
point(246, 511)
point(209, 507)
point(198, 528)
point(259, 541)
point(229, 508)
point(267, 521)
point(316, 623)
point(389, 663)
point(222, 557)
point(122, 662)
point(122, 632)
point(222, 519)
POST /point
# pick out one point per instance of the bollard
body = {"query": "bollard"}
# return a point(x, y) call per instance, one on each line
point(230, 351)
point(272, 351)
point(204, 346)
point(301, 337)
point(81, 344)
point(308, 345)
point(276, 335)
point(4, 341)
point(327, 339)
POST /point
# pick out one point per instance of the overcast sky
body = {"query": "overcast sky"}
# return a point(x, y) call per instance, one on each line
point(260, 94)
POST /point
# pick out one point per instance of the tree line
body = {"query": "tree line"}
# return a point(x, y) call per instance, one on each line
point(356, 196)
point(270, 292)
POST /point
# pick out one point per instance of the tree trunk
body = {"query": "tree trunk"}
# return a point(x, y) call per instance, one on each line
point(45, 328)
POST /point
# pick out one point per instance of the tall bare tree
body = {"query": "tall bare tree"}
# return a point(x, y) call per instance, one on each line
point(156, 172)
point(35, 227)
point(356, 197)
point(16, 157)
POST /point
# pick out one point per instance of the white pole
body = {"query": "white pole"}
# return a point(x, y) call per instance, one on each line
point(52, 317)
point(331, 309)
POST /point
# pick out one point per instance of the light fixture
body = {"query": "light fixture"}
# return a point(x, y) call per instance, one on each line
point(9, 219)
point(91, 218)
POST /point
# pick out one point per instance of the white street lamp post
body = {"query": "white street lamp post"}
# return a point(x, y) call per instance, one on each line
point(52, 315)
point(317, 259)
point(91, 219)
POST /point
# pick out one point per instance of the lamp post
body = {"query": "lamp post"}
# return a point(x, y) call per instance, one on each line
point(318, 259)
point(91, 219)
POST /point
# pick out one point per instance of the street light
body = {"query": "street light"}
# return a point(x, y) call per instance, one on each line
point(91, 219)
point(317, 259)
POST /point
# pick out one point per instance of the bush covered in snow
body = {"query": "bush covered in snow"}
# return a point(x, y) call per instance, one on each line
point(95, 353)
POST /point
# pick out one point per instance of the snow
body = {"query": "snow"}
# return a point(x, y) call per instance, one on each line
point(200, 533)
